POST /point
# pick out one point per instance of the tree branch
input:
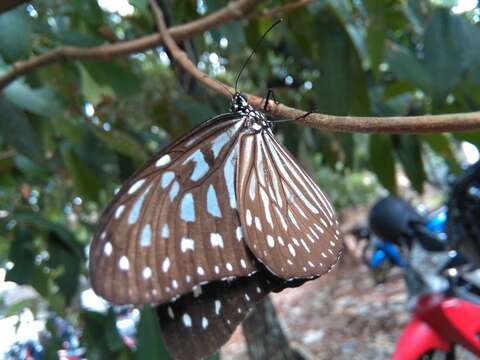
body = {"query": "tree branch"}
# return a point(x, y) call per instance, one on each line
point(232, 11)
point(395, 124)
point(279, 10)
point(6, 5)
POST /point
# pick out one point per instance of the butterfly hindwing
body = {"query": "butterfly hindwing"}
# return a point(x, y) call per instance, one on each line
point(174, 223)
point(289, 224)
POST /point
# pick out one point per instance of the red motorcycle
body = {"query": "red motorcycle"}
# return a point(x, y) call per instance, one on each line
point(443, 286)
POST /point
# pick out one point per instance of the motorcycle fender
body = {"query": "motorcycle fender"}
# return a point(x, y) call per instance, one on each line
point(417, 339)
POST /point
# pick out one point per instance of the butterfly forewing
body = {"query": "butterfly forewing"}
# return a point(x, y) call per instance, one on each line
point(289, 224)
point(174, 224)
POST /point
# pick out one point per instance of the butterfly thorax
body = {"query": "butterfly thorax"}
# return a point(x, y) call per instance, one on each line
point(255, 119)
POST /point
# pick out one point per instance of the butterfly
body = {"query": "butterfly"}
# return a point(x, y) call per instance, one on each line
point(209, 226)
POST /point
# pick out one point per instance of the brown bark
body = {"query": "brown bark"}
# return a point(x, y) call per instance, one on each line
point(6, 5)
point(264, 335)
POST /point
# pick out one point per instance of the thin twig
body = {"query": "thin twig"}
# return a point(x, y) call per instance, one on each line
point(232, 11)
point(181, 57)
point(395, 124)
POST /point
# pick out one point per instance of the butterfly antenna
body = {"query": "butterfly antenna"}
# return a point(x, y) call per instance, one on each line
point(254, 50)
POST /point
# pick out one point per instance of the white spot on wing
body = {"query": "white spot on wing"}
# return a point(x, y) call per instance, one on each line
point(166, 265)
point(107, 249)
point(291, 249)
point(266, 206)
point(252, 187)
point(229, 174)
point(135, 211)
point(123, 263)
point(187, 208)
point(146, 236)
point(258, 223)
point(212, 202)
point(187, 320)
point(174, 190)
point(164, 160)
point(165, 231)
point(136, 185)
point(167, 178)
point(119, 211)
point(187, 244)
point(204, 322)
point(218, 306)
point(219, 142)
point(248, 217)
point(270, 241)
point(201, 167)
point(200, 271)
point(239, 233)
point(147, 273)
point(216, 239)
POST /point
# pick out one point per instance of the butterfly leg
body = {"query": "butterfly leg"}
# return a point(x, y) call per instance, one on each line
point(302, 117)
point(270, 96)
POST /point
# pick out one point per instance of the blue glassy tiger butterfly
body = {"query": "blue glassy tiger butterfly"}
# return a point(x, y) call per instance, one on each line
point(209, 226)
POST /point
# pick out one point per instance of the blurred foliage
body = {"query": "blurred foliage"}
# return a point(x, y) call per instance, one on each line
point(70, 133)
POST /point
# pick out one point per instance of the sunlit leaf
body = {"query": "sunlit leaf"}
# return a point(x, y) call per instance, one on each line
point(41, 101)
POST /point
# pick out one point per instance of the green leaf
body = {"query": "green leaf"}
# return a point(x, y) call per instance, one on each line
point(150, 345)
point(376, 31)
point(101, 336)
point(116, 75)
point(62, 256)
point(445, 53)
point(407, 68)
point(86, 182)
point(441, 145)
point(408, 151)
point(15, 129)
point(215, 356)
point(22, 254)
point(15, 33)
point(471, 137)
point(341, 88)
point(382, 162)
point(41, 101)
point(93, 91)
point(140, 5)
point(121, 142)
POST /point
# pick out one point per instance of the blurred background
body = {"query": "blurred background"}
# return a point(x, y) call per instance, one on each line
point(72, 131)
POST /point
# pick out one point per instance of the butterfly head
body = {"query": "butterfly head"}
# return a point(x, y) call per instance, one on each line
point(240, 105)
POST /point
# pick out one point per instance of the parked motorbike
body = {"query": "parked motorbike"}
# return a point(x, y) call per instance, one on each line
point(443, 285)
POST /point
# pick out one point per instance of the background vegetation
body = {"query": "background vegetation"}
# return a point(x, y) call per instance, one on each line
point(71, 132)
